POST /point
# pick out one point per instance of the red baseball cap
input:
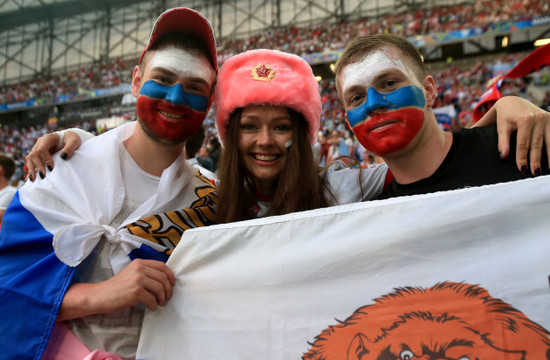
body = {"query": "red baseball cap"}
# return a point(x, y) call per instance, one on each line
point(184, 20)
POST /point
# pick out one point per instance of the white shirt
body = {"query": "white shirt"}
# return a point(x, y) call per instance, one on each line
point(6, 194)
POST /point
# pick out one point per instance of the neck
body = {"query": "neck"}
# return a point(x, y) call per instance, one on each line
point(266, 189)
point(151, 156)
point(3, 182)
point(421, 158)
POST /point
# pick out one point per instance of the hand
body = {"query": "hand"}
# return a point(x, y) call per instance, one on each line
point(532, 124)
point(143, 281)
point(46, 145)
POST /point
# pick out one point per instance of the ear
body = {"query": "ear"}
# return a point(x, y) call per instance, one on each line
point(430, 89)
point(136, 81)
point(358, 347)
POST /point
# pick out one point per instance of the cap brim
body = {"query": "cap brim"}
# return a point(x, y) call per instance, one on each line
point(184, 20)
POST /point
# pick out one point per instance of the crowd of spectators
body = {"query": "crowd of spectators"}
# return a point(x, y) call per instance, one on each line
point(460, 85)
point(298, 40)
point(68, 86)
point(332, 36)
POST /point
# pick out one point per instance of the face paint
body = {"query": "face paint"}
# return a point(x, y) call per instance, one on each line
point(184, 63)
point(393, 128)
point(170, 113)
point(174, 94)
point(363, 73)
point(288, 144)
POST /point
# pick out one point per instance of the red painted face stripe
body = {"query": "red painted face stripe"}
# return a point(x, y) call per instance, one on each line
point(390, 131)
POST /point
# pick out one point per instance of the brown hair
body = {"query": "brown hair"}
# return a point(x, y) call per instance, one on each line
point(300, 186)
point(359, 47)
point(8, 164)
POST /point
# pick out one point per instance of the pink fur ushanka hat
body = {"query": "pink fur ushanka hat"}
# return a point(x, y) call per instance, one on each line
point(268, 77)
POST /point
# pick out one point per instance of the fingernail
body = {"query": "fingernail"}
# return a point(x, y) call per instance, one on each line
point(42, 176)
point(31, 178)
point(50, 167)
point(64, 156)
point(537, 172)
point(524, 170)
point(500, 154)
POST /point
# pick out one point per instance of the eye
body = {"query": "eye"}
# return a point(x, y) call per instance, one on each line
point(196, 88)
point(355, 100)
point(162, 79)
point(390, 83)
point(283, 128)
point(406, 355)
point(248, 127)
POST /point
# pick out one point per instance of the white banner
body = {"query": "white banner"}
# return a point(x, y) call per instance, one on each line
point(455, 275)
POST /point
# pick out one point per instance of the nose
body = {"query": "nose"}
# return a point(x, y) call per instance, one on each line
point(265, 137)
point(176, 95)
point(375, 101)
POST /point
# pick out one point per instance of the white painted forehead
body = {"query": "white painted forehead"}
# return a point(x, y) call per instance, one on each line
point(183, 62)
point(363, 72)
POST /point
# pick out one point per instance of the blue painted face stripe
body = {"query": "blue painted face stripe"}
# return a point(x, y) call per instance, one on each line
point(406, 96)
point(174, 94)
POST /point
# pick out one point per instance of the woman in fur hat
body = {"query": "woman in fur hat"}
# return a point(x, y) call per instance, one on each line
point(268, 109)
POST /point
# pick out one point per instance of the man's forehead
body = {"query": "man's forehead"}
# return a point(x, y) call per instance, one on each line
point(364, 71)
point(185, 63)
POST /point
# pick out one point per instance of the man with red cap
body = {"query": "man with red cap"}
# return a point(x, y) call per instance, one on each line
point(68, 265)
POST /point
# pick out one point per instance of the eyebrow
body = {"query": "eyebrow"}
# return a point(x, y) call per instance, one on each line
point(386, 72)
point(383, 74)
point(197, 79)
point(163, 71)
point(168, 72)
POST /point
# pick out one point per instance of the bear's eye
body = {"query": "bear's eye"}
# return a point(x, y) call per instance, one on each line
point(406, 355)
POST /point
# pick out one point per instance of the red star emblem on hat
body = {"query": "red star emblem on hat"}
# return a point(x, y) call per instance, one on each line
point(263, 72)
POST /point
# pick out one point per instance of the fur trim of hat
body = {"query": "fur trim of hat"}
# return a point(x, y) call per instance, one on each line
point(267, 77)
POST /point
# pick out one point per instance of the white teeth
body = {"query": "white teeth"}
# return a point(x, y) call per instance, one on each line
point(170, 115)
point(265, 157)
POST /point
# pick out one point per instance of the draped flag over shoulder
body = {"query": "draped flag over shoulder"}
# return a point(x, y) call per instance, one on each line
point(456, 275)
point(54, 223)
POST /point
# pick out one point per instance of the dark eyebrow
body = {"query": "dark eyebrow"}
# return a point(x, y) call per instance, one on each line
point(163, 71)
point(168, 72)
point(386, 73)
point(353, 88)
point(199, 80)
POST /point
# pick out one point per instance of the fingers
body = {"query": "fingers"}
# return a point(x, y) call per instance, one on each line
point(524, 141)
point(537, 141)
point(40, 159)
point(504, 132)
point(71, 142)
point(154, 282)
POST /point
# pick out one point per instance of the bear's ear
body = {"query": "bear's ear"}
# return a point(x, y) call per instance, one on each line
point(358, 347)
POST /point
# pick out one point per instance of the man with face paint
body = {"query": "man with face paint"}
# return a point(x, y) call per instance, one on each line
point(388, 98)
point(90, 289)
